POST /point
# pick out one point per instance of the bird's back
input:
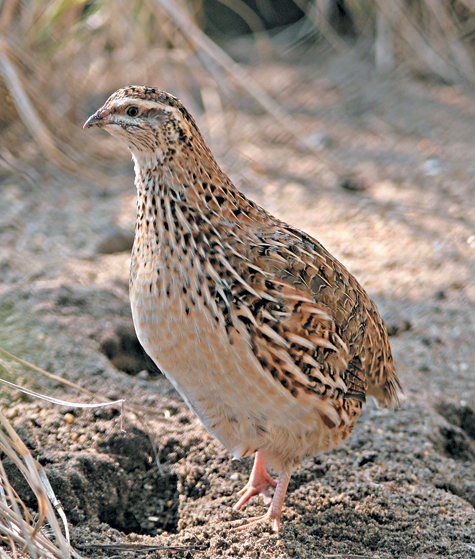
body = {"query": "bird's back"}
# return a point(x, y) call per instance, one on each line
point(352, 318)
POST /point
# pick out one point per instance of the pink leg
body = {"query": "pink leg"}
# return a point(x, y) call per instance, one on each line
point(257, 484)
point(275, 510)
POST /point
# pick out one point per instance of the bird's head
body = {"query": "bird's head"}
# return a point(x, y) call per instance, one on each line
point(149, 120)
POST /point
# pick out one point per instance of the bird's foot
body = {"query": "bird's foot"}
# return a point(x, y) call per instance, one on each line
point(257, 484)
point(271, 515)
point(275, 510)
point(251, 489)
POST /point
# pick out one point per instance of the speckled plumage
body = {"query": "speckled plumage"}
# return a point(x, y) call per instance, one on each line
point(268, 338)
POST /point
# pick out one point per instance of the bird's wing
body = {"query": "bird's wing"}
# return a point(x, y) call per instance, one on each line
point(311, 325)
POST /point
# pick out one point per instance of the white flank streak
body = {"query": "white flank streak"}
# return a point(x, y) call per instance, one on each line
point(227, 265)
point(259, 270)
point(299, 298)
point(317, 373)
point(267, 330)
point(247, 311)
point(313, 310)
point(212, 272)
point(290, 365)
point(303, 342)
point(223, 295)
point(317, 369)
point(186, 224)
point(324, 343)
point(267, 314)
point(171, 221)
point(211, 301)
point(330, 411)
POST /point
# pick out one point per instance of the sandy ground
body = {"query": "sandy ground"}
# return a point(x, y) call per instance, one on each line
point(403, 485)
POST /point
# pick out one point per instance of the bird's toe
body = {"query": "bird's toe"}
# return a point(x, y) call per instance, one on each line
point(270, 515)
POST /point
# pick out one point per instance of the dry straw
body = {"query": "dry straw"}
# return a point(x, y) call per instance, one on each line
point(18, 530)
point(58, 58)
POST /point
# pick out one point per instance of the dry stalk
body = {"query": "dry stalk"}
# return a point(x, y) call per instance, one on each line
point(66, 382)
point(60, 53)
point(28, 114)
point(237, 73)
point(17, 528)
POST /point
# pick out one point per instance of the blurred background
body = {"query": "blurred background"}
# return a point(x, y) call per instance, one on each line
point(351, 119)
point(61, 58)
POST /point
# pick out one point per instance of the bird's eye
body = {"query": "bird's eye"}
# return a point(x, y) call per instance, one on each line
point(132, 111)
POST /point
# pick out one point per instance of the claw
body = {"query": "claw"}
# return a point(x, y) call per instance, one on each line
point(249, 491)
point(257, 484)
point(269, 515)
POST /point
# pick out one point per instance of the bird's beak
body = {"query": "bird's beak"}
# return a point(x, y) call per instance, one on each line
point(100, 118)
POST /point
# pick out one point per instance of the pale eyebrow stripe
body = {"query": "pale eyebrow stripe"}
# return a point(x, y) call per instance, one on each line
point(142, 103)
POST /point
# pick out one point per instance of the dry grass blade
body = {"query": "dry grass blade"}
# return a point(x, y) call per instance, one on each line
point(181, 18)
point(315, 13)
point(28, 114)
point(7, 12)
point(453, 43)
point(16, 525)
point(59, 402)
point(432, 33)
point(66, 382)
point(54, 501)
point(153, 40)
point(384, 44)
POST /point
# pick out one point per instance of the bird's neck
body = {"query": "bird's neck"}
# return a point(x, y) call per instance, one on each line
point(176, 172)
point(175, 208)
point(186, 191)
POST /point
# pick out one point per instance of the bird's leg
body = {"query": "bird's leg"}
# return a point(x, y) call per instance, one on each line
point(257, 484)
point(275, 510)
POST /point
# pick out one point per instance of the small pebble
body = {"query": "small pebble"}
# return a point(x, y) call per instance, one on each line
point(114, 240)
point(432, 167)
point(69, 417)
point(352, 183)
point(320, 140)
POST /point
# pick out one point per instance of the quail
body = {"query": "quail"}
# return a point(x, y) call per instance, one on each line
point(269, 340)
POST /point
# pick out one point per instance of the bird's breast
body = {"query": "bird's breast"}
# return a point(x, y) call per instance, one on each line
point(217, 375)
